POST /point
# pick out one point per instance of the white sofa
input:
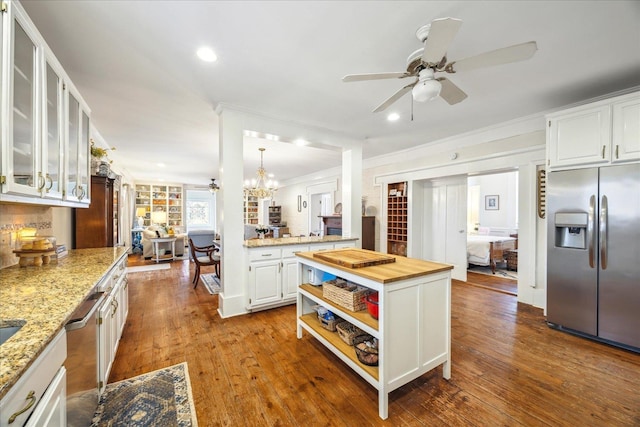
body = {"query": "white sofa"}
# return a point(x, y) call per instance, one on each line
point(150, 233)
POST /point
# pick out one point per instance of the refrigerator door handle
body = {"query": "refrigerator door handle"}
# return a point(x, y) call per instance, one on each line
point(591, 235)
point(603, 232)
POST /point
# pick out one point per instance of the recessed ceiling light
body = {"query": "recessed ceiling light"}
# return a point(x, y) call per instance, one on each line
point(161, 165)
point(206, 54)
point(393, 117)
point(300, 142)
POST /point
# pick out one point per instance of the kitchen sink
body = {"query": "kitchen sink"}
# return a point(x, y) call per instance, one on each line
point(9, 327)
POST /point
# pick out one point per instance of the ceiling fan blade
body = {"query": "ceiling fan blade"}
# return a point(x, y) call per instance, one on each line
point(515, 53)
point(450, 92)
point(441, 34)
point(393, 98)
point(375, 76)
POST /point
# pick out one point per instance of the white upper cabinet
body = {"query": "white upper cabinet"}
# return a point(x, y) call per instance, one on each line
point(53, 130)
point(45, 122)
point(78, 146)
point(600, 133)
point(21, 145)
point(626, 130)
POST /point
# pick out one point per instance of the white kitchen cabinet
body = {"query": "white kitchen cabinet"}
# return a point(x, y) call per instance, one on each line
point(264, 282)
point(626, 130)
point(111, 318)
point(52, 411)
point(40, 391)
point(273, 272)
point(45, 135)
point(78, 146)
point(413, 326)
point(290, 270)
point(20, 107)
point(599, 133)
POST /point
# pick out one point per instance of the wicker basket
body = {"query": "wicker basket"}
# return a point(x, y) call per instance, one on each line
point(367, 355)
point(345, 294)
point(348, 332)
point(329, 325)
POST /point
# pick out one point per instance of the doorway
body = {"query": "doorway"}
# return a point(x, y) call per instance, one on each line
point(320, 204)
point(492, 231)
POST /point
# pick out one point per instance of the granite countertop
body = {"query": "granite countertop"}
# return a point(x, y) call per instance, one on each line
point(283, 241)
point(45, 297)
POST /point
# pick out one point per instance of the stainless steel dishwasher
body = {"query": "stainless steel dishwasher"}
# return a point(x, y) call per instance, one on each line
point(82, 361)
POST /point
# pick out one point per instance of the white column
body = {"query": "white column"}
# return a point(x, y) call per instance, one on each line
point(352, 192)
point(229, 204)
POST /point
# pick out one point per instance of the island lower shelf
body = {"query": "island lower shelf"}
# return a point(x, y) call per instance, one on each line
point(312, 324)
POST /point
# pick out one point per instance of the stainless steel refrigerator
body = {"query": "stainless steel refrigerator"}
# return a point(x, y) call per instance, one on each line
point(593, 256)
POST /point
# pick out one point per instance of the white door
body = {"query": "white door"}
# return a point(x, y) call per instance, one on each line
point(449, 227)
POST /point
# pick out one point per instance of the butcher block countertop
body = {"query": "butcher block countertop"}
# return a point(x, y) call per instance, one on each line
point(403, 268)
point(44, 297)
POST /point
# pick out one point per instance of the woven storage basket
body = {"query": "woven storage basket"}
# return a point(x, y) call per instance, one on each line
point(365, 354)
point(348, 332)
point(329, 325)
point(346, 295)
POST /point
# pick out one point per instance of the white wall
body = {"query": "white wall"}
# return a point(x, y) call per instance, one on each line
point(505, 186)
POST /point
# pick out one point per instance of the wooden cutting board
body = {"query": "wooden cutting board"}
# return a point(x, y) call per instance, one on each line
point(354, 258)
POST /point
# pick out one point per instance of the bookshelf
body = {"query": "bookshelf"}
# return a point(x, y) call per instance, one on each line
point(160, 198)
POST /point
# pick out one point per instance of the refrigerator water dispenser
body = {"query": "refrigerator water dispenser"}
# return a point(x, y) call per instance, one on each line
point(571, 230)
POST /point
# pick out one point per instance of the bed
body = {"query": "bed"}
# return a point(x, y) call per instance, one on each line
point(487, 250)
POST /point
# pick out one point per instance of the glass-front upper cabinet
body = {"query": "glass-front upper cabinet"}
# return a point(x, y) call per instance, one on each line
point(21, 149)
point(77, 187)
point(52, 149)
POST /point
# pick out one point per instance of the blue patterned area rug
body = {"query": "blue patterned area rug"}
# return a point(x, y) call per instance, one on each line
point(211, 282)
point(158, 398)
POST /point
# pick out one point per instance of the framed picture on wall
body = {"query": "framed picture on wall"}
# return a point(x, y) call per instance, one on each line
point(491, 203)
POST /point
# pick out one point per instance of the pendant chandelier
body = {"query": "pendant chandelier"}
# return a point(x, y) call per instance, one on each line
point(260, 187)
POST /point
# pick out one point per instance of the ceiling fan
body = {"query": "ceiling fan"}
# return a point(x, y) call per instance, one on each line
point(425, 62)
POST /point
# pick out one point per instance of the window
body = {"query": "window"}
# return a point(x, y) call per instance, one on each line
point(200, 210)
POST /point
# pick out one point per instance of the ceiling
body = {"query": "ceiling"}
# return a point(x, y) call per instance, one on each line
point(134, 63)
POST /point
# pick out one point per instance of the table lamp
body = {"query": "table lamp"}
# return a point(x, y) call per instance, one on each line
point(159, 217)
point(140, 213)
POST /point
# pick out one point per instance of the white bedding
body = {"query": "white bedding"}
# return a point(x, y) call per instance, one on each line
point(478, 248)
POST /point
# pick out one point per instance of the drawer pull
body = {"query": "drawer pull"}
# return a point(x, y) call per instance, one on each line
point(32, 398)
point(266, 254)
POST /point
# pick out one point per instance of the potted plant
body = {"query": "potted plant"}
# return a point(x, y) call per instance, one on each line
point(98, 165)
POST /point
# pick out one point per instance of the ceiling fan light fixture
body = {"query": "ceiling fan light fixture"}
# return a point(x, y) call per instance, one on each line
point(426, 90)
point(213, 187)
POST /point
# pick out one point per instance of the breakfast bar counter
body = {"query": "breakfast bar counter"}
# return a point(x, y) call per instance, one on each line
point(284, 241)
point(42, 299)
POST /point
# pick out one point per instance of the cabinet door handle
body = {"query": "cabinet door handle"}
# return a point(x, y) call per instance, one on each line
point(31, 397)
point(41, 181)
point(603, 147)
point(50, 180)
point(617, 147)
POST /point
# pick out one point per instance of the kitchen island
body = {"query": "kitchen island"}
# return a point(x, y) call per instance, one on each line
point(271, 276)
point(413, 327)
point(42, 299)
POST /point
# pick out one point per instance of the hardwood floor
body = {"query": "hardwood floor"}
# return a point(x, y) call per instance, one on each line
point(493, 283)
point(508, 367)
